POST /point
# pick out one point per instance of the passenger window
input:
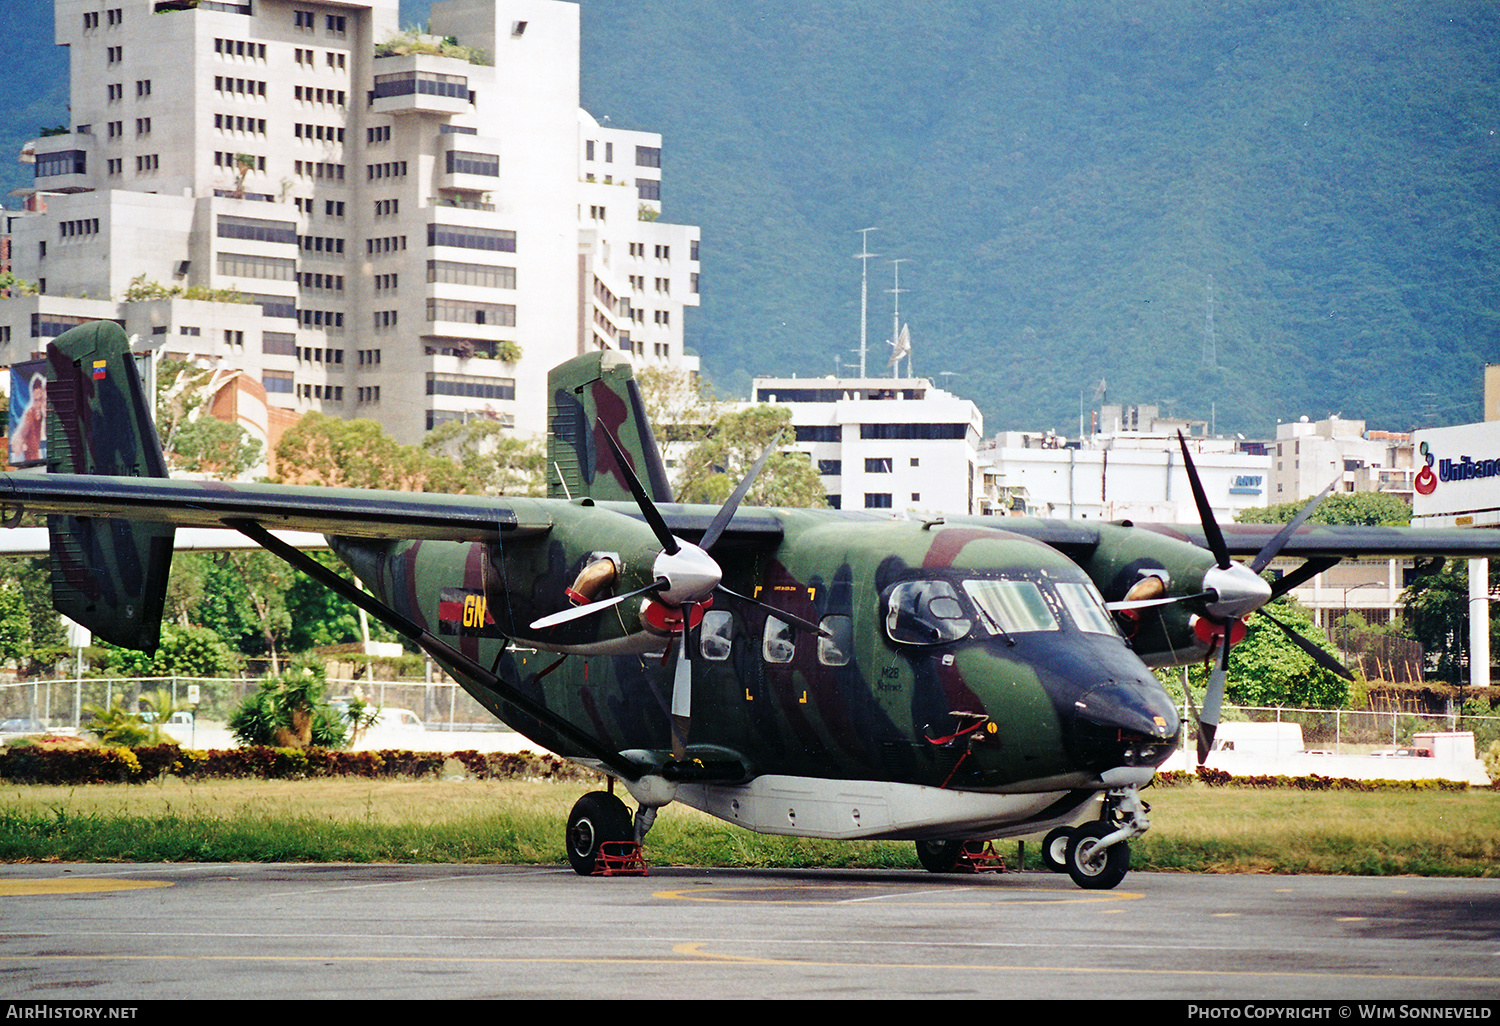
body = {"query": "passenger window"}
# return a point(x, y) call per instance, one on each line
point(925, 613)
point(715, 635)
point(776, 644)
point(835, 650)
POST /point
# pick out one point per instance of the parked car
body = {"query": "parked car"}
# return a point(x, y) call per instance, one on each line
point(22, 725)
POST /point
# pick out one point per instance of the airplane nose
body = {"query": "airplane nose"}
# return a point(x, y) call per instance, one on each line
point(1124, 723)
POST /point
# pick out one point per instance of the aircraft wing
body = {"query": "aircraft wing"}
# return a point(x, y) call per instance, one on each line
point(1347, 542)
point(355, 512)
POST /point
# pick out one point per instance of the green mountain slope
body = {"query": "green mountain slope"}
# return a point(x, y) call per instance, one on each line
point(1066, 178)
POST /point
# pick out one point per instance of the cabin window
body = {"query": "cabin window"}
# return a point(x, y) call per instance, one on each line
point(925, 613)
point(715, 635)
point(1010, 607)
point(777, 644)
point(836, 649)
point(1086, 607)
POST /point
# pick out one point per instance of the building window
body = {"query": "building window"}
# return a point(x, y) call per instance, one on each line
point(307, 21)
point(830, 468)
point(282, 382)
point(335, 24)
point(464, 312)
point(463, 162)
point(114, 54)
point(143, 87)
point(648, 156)
point(879, 465)
point(490, 276)
point(495, 240)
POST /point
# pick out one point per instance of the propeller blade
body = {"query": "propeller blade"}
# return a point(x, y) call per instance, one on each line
point(1319, 656)
point(1272, 547)
point(1115, 607)
point(643, 500)
point(579, 612)
point(780, 614)
point(1213, 700)
point(1211, 530)
point(726, 512)
point(682, 697)
point(1306, 572)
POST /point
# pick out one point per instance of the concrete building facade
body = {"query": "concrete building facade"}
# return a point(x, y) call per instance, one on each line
point(415, 236)
point(884, 444)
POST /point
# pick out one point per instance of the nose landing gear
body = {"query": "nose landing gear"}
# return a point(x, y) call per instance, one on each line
point(1096, 854)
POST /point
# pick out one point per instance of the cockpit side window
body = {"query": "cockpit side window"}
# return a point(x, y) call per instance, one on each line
point(925, 613)
point(1010, 607)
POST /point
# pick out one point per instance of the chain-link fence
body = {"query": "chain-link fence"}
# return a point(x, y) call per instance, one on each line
point(1349, 731)
point(441, 705)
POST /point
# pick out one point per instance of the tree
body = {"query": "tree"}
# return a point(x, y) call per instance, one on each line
point(341, 453)
point(1345, 509)
point(190, 651)
point(1266, 669)
point(217, 448)
point(680, 405)
point(289, 711)
point(479, 457)
point(1435, 609)
point(716, 465)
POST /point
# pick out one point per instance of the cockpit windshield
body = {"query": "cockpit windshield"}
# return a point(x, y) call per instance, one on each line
point(933, 612)
point(1085, 605)
point(1010, 607)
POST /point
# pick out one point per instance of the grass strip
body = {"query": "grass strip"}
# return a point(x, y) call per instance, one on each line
point(1194, 829)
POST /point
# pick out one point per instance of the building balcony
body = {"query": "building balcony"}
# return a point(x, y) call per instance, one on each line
point(421, 84)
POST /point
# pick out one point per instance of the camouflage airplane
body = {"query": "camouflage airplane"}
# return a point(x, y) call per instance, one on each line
point(817, 673)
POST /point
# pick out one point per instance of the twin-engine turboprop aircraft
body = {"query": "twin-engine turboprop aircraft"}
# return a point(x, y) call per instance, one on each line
point(817, 673)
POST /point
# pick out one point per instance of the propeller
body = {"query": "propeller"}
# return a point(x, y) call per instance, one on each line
point(686, 578)
point(1234, 591)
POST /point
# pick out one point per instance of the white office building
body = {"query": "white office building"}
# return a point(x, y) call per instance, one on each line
point(419, 232)
point(884, 444)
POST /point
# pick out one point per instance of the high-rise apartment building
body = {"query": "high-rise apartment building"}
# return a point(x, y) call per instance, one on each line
point(419, 227)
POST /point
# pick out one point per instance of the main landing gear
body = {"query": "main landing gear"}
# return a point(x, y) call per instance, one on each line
point(597, 818)
point(1096, 854)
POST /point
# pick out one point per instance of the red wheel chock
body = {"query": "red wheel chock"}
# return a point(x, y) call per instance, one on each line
point(620, 858)
point(979, 857)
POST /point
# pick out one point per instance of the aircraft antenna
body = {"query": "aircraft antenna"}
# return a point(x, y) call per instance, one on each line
point(863, 256)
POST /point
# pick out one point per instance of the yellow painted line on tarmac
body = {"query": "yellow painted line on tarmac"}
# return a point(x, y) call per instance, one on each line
point(75, 885)
point(965, 896)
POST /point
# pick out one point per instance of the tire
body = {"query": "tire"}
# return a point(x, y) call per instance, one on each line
point(1055, 849)
point(938, 856)
point(596, 817)
point(1100, 873)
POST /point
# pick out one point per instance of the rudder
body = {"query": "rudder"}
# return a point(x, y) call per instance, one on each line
point(590, 394)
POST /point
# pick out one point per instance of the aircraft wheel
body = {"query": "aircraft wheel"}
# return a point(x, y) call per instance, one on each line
point(938, 856)
point(596, 817)
point(1055, 849)
point(1101, 871)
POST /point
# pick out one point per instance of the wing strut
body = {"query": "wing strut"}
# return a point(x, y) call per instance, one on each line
point(439, 650)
